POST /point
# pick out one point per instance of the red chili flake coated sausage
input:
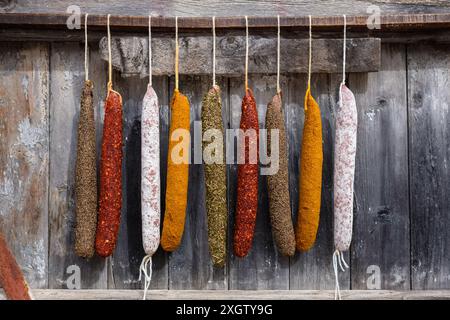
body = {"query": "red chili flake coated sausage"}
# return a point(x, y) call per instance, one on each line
point(110, 177)
point(11, 277)
point(247, 192)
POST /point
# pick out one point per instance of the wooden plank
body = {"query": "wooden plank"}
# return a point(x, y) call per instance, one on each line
point(381, 241)
point(237, 295)
point(16, 33)
point(263, 267)
point(325, 16)
point(124, 267)
point(429, 155)
point(66, 269)
point(130, 55)
point(24, 156)
point(313, 269)
point(190, 266)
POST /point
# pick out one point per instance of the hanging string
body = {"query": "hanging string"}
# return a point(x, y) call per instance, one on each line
point(343, 60)
point(86, 66)
point(338, 258)
point(109, 55)
point(150, 50)
point(310, 52)
point(278, 56)
point(246, 53)
point(146, 270)
point(176, 53)
point(337, 291)
point(344, 49)
point(214, 49)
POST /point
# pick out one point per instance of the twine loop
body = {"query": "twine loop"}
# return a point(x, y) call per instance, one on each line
point(146, 270)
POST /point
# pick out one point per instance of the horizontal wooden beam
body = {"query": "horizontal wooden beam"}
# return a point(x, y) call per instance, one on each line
point(130, 55)
point(401, 28)
point(122, 22)
point(44, 294)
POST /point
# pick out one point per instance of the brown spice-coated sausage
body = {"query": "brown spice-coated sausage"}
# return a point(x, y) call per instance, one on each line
point(86, 177)
point(278, 183)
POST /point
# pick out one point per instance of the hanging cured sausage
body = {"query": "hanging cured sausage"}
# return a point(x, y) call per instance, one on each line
point(311, 159)
point(247, 192)
point(215, 178)
point(278, 183)
point(177, 164)
point(310, 176)
point(86, 170)
point(110, 168)
point(110, 176)
point(150, 182)
point(344, 169)
point(177, 173)
point(86, 177)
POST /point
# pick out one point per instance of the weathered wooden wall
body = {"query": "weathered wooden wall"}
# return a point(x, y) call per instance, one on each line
point(402, 208)
point(402, 211)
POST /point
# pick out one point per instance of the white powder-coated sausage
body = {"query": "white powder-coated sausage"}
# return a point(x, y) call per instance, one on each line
point(344, 168)
point(150, 179)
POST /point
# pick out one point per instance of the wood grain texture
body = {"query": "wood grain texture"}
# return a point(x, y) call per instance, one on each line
point(38, 129)
point(313, 269)
point(263, 267)
point(130, 55)
point(124, 268)
point(67, 74)
point(233, 8)
point(429, 155)
point(24, 156)
point(422, 32)
point(237, 295)
point(381, 219)
point(190, 266)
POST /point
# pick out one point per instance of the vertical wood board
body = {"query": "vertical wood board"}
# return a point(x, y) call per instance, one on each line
point(429, 156)
point(24, 156)
point(381, 244)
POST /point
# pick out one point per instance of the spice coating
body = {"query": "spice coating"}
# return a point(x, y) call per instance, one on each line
point(177, 177)
point(110, 177)
point(86, 177)
point(11, 278)
point(344, 168)
point(150, 176)
point(247, 190)
point(278, 183)
point(310, 176)
point(215, 180)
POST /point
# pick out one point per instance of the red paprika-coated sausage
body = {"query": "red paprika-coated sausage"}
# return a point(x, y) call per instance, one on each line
point(247, 192)
point(110, 177)
point(11, 277)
